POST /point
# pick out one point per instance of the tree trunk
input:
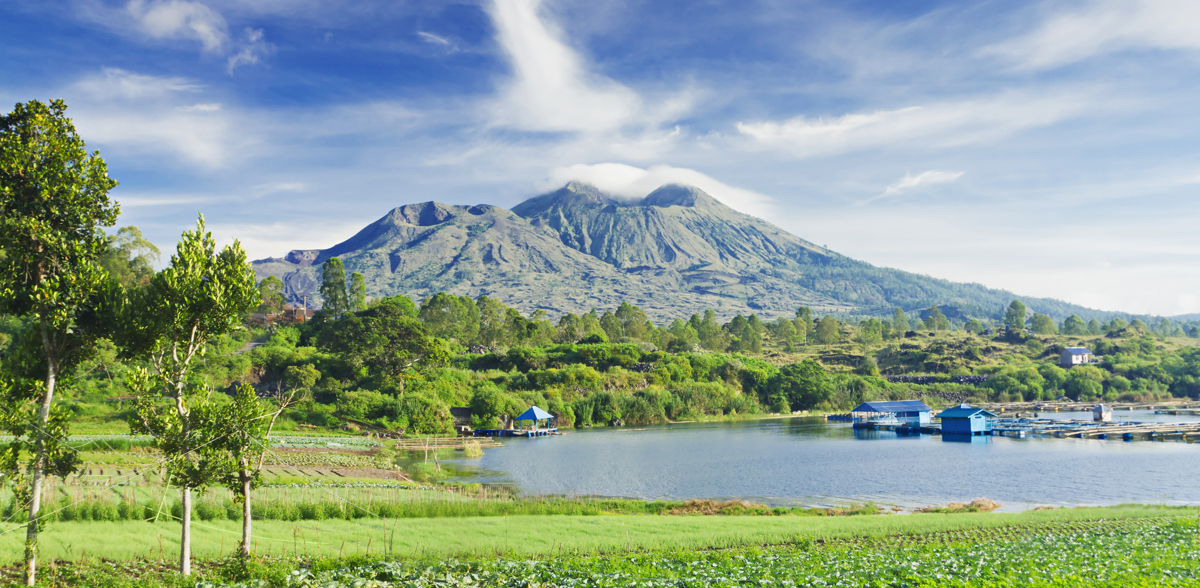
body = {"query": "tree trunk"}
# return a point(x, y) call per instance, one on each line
point(185, 541)
point(246, 479)
point(39, 460)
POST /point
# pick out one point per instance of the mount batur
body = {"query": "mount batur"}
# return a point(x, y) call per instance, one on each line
point(675, 252)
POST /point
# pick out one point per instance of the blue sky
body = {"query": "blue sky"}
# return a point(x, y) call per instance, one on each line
point(1049, 148)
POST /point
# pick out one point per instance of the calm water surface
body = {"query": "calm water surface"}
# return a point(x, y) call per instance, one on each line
point(810, 462)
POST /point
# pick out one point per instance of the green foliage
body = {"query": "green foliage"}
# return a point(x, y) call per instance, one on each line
point(1073, 325)
point(130, 258)
point(828, 331)
point(270, 291)
point(335, 300)
point(935, 320)
point(1043, 325)
point(53, 203)
point(801, 385)
point(358, 292)
point(1014, 317)
point(386, 340)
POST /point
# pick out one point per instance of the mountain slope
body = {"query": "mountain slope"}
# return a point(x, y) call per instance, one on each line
point(674, 252)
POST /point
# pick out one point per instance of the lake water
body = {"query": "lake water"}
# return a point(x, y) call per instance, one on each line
point(811, 462)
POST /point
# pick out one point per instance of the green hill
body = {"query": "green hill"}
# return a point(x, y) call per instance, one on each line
point(674, 252)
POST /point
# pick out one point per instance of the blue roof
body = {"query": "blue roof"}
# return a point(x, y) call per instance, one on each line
point(1078, 350)
point(534, 414)
point(893, 406)
point(963, 411)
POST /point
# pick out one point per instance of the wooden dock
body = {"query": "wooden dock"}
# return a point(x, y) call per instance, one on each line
point(528, 433)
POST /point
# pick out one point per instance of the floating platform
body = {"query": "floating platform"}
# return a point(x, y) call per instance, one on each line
point(1128, 431)
point(515, 432)
point(1026, 428)
point(899, 428)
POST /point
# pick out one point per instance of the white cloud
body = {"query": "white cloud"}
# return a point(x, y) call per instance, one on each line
point(151, 114)
point(253, 49)
point(935, 125)
point(551, 88)
point(634, 182)
point(115, 83)
point(180, 19)
point(435, 39)
point(910, 182)
point(1102, 26)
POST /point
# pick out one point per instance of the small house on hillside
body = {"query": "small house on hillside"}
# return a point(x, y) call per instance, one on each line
point(910, 412)
point(1073, 356)
point(965, 420)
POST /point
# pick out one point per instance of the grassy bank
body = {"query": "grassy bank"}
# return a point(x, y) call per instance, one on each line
point(516, 536)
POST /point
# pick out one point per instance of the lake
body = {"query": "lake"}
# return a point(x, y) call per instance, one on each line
point(803, 461)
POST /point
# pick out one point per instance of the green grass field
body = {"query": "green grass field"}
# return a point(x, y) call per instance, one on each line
point(518, 536)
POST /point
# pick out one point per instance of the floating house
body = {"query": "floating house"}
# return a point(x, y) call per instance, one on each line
point(966, 420)
point(1073, 356)
point(899, 412)
point(1102, 414)
point(549, 426)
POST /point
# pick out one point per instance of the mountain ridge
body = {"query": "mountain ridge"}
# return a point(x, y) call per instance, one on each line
point(674, 252)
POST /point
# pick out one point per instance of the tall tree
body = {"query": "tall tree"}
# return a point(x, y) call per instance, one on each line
point(1094, 328)
point(784, 330)
point(385, 340)
point(202, 294)
point(634, 322)
point(249, 423)
point(710, 334)
point(358, 292)
point(935, 320)
point(1014, 317)
point(1042, 324)
point(333, 288)
point(870, 334)
point(684, 337)
point(828, 331)
point(53, 202)
point(451, 317)
point(130, 258)
point(1073, 325)
point(493, 321)
point(270, 292)
point(804, 323)
point(899, 322)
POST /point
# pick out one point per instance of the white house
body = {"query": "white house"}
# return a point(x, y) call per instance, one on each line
point(1073, 356)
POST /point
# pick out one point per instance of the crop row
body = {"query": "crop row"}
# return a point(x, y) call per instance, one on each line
point(333, 460)
point(1161, 552)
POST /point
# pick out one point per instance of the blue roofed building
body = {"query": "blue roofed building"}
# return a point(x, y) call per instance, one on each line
point(965, 419)
point(903, 412)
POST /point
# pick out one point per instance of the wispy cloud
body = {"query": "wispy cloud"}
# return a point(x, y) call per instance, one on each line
point(253, 49)
point(935, 125)
point(911, 182)
point(180, 19)
point(1101, 26)
point(440, 41)
point(553, 89)
point(634, 182)
point(152, 114)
